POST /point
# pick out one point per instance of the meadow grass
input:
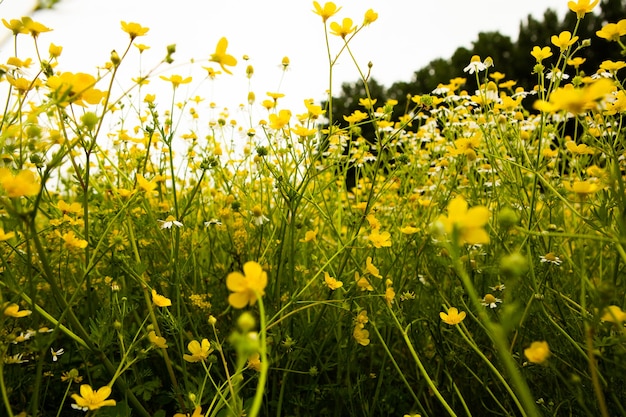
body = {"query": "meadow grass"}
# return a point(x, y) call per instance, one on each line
point(157, 261)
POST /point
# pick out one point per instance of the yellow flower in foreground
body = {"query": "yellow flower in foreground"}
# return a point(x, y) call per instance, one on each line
point(331, 282)
point(13, 310)
point(92, 400)
point(612, 31)
point(197, 412)
point(564, 40)
point(246, 287)
point(453, 316)
point(577, 100)
point(72, 241)
point(581, 7)
point(537, 352)
point(309, 236)
point(157, 341)
point(176, 80)
point(468, 224)
point(344, 29)
point(380, 240)
point(23, 184)
point(614, 314)
point(370, 17)
point(221, 57)
point(371, 268)
point(134, 29)
point(35, 28)
point(541, 53)
point(160, 300)
point(6, 236)
point(329, 9)
point(582, 188)
point(199, 351)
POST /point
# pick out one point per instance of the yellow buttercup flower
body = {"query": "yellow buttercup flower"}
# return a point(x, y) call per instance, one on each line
point(612, 31)
point(200, 351)
point(72, 241)
point(160, 300)
point(541, 53)
point(246, 287)
point(564, 40)
point(614, 314)
point(157, 341)
point(344, 29)
point(328, 10)
point(23, 184)
point(13, 310)
point(453, 317)
point(331, 282)
point(537, 352)
point(370, 17)
point(280, 120)
point(176, 80)
point(34, 28)
point(468, 224)
point(380, 240)
point(221, 57)
point(134, 29)
point(4, 236)
point(581, 7)
point(92, 400)
point(197, 412)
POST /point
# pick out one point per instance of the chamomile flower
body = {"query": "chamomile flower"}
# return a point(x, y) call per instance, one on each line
point(489, 300)
point(169, 222)
point(551, 258)
point(56, 353)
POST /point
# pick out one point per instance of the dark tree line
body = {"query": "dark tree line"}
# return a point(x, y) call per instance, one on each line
point(510, 57)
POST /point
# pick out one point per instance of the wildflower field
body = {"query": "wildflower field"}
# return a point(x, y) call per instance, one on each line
point(158, 261)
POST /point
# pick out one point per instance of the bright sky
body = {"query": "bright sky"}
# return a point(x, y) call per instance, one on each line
point(407, 35)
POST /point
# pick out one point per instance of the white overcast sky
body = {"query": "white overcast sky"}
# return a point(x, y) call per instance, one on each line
point(407, 35)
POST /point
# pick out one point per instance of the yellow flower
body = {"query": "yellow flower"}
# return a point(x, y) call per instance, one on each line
point(329, 9)
point(370, 17)
point(254, 362)
point(541, 53)
point(453, 316)
point(367, 103)
point(144, 184)
point(309, 236)
point(371, 269)
point(280, 120)
point(160, 300)
point(199, 351)
point(612, 31)
point(176, 80)
point(35, 28)
point(13, 310)
point(581, 7)
point(582, 188)
point(134, 29)
point(577, 100)
point(246, 287)
point(380, 240)
point(409, 230)
point(362, 283)
point(361, 335)
point(15, 25)
point(564, 40)
point(331, 282)
point(537, 352)
point(55, 50)
point(72, 241)
point(75, 88)
point(612, 314)
point(344, 29)
point(467, 223)
point(221, 57)
point(23, 184)
point(92, 400)
point(157, 341)
point(6, 236)
point(197, 412)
